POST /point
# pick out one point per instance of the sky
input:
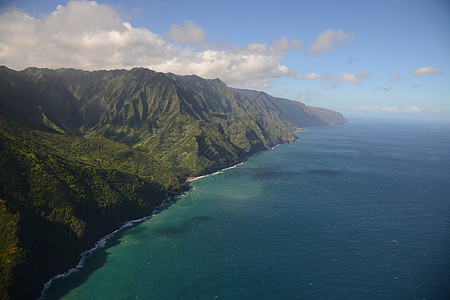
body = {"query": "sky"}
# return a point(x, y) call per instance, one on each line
point(387, 58)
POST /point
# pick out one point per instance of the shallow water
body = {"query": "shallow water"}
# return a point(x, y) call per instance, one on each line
point(347, 212)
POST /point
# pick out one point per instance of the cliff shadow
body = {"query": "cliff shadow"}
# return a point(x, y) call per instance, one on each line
point(61, 287)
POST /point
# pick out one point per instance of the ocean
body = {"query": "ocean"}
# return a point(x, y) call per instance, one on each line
point(347, 212)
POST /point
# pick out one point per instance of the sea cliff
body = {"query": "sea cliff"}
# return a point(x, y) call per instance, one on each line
point(82, 152)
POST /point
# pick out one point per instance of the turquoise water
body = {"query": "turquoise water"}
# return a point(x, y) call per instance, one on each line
point(347, 212)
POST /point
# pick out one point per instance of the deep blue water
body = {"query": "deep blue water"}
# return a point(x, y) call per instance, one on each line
point(347, 212)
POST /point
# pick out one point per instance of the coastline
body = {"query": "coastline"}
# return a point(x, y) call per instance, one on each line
point(101, 243)
point(190, 179)
point(100, 163)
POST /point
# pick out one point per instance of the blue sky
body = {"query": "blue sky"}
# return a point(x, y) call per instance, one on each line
point(379, 57)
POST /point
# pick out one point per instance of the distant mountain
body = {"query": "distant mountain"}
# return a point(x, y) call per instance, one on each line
point(295, 114)
point(81, 152)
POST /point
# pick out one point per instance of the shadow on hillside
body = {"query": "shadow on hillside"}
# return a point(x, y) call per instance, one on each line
point(64, 287)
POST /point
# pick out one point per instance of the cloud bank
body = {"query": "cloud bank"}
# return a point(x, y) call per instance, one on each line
point(92, 36)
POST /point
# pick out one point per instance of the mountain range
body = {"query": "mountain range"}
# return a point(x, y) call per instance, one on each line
point(82, 152)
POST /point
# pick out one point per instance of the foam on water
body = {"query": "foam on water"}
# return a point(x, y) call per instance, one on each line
point(101, 243)
point(211, 174)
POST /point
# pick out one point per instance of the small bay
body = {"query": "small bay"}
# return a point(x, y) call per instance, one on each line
point(347, 212)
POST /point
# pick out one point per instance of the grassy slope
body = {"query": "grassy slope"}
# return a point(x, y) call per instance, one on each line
point(60, 193)
point(189, 124)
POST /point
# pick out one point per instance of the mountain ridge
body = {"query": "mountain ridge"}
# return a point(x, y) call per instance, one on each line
point(83, 151)
point(296, 114)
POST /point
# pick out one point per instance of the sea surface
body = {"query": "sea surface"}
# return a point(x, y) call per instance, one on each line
point(360, 211)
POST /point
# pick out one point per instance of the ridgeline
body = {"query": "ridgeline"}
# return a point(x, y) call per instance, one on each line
point(82, 152)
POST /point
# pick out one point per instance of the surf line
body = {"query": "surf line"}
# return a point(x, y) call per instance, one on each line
point(190, 179)
point(101, 243)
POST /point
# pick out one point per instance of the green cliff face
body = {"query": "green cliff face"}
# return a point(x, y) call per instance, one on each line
point(189, 124)
point(60, 193)
point(81, 152)
point(295, 114)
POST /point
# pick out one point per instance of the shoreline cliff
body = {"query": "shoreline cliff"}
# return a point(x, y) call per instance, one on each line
point(82, 152)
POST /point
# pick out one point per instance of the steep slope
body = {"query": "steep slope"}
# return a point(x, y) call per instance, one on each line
point(59, 194)
point(189, 124)
point(295, 114)
point(82, 151)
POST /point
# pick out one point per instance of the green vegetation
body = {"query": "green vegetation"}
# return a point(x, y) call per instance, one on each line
point(60, 193)
point(81, 152)
point(164, 115)
point(295, 114)
point(11, 255)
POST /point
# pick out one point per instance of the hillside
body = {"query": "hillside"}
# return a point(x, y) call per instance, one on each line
point(82, 152)
point(189, 124)
point(296, 114)
point(59, 194)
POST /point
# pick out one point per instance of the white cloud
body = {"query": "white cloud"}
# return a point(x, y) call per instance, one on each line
point(328, 40)
point(395, 78)
point(427, 71)
point(390, 108)
point(342, 78)
point(412, 109)
point(377, 108)
point(92, 36)
point(83, 35)
point(187, 34)
point(284, 44)
point(367, 108)
point(311, 76)
point(382, 89)
point(353, 78)
point(439, 111)
point(239, 67)
point(306, 96)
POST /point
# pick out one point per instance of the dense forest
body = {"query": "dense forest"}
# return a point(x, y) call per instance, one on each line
point(82, 152)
